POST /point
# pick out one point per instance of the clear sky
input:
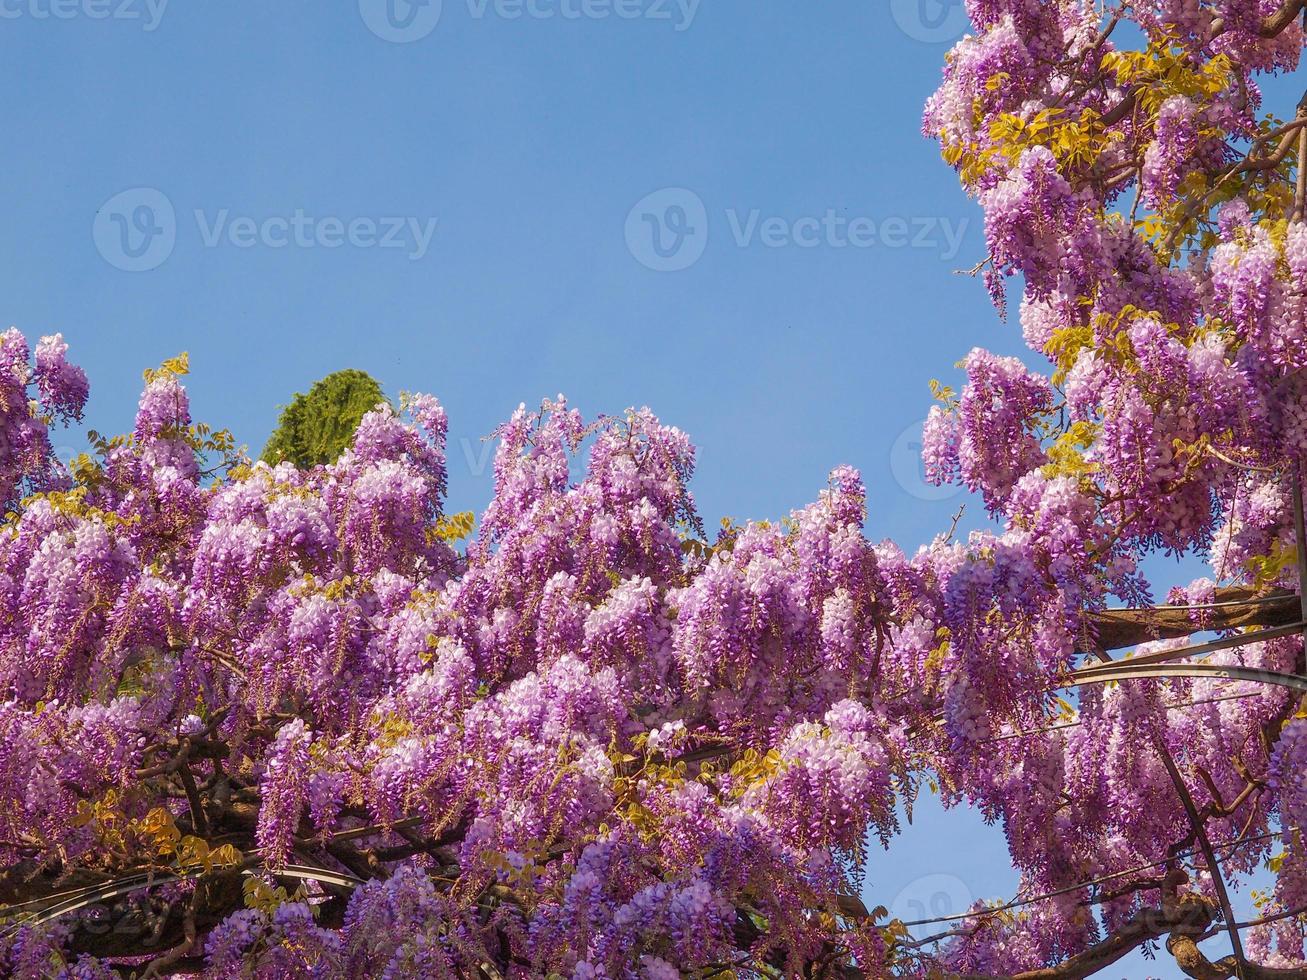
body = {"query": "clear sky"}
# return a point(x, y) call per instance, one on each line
point(723, 210)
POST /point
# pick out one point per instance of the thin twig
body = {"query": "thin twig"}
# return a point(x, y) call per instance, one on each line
point(1200, 831)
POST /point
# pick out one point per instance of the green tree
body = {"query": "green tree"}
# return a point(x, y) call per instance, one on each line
point(317, 427)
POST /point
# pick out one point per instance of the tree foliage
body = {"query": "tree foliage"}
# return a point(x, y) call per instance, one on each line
point(317, 427)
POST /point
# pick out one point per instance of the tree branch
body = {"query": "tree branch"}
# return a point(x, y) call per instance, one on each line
point(1234, 607)
point(1147, 925)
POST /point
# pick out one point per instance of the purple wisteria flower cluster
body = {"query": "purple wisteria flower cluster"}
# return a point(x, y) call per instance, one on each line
point(268, 721)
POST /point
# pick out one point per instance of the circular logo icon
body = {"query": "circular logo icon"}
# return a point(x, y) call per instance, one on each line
point(136, 230)
point(931, 897)
point(667, 230)
point(400, 21)
point(909, 471)
point(932, 21)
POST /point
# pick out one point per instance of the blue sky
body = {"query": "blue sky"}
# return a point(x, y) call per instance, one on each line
point(723, 210)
